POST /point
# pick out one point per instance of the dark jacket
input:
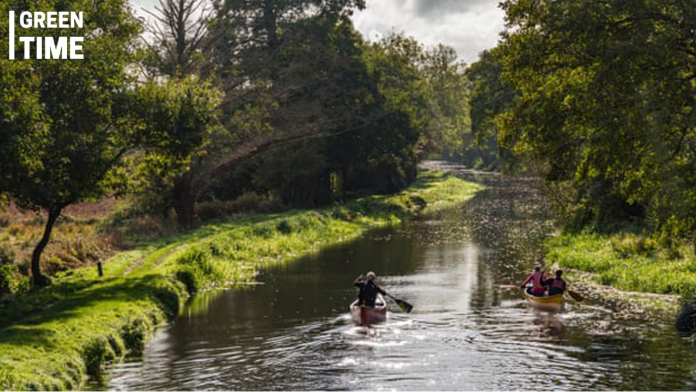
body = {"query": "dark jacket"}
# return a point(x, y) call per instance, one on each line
point(556, 286)
point(368, 291)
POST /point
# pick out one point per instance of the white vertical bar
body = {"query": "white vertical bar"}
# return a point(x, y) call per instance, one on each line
point(12, 43)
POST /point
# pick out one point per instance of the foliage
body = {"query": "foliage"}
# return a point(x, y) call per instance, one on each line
point(61, 132)
point(627, 261)
point(607, 103)
point(490, 96)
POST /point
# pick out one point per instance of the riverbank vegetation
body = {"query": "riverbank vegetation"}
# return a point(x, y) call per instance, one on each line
point(599, 99)
point(627, 261)
point(55, 337)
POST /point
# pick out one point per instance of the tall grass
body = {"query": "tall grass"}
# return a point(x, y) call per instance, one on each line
point(627, 261)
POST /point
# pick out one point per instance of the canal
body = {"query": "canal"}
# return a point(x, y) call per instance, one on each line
point(294, 331)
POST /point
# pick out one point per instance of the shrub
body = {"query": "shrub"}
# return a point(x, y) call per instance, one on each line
point(117, 346)
point(95, 354)
point(134, 334)
point(284, 227)
point(169, 298)
point(11, 281)
point(247, 202)
point(214, 209)
point(7, 255)
point(188, 278)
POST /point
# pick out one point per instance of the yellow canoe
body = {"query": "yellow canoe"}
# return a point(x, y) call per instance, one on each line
point(553, 303)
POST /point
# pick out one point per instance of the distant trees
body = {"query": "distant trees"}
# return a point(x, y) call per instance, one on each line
point(490, 96)
point(606, 104)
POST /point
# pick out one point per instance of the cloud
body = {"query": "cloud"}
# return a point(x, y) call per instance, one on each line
point(440, 7)
point(469, 26)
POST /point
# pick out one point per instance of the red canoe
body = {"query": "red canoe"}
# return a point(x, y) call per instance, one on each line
point(365, 315)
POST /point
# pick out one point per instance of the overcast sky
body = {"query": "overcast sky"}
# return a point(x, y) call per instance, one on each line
point(469, 26)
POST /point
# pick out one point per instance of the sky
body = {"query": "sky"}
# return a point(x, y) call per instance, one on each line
point(469, 26)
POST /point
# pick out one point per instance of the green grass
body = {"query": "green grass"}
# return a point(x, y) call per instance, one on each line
point(60, 336)
point(627, 261)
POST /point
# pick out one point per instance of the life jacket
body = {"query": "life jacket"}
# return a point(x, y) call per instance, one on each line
point(535, 278)
point(558, 283)
point(368, 293)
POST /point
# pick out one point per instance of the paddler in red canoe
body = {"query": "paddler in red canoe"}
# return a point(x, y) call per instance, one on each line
point(368, 289)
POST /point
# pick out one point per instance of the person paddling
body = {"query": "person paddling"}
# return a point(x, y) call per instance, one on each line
point(556, 285)
point(537, 279)
point(368, 289)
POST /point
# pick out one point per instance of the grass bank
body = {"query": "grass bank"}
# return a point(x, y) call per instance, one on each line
point(65, 334)
point(629, 262)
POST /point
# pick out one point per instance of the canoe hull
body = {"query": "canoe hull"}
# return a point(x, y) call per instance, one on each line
point(552, 303)
point(365, 315)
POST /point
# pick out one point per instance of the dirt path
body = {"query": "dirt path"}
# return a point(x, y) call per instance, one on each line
point(157, 262)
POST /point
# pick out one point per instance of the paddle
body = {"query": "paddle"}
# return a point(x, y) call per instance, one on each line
point(575, 295)
point(509, 287)
point(405, 306)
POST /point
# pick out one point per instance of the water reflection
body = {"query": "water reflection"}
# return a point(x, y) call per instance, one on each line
point(294, 332)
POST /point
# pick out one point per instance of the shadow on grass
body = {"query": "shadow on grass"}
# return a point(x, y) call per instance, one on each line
point(29, 331)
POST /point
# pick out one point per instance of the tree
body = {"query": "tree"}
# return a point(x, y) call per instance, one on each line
point(62, 132)
point(276, 90)
point(490, 96)
point(179, 38)
point(607, 103)
point(449, 129)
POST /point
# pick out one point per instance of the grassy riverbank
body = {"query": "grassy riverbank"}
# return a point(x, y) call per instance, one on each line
point(60, 336)
point(628, 262)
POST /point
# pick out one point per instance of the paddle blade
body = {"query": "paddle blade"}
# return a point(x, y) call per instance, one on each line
point(575, 296)
point(405, 306)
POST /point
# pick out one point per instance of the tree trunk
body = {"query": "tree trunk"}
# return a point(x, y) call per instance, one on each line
point(38, 279)
point(184, 201)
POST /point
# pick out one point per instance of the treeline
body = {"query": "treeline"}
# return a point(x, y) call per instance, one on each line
point(600, 98)
point(281, 98)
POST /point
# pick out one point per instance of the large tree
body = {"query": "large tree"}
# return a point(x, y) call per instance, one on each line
point(67, 124)
point(61, 132)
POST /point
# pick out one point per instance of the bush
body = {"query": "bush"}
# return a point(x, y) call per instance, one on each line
point(134, 334)
point(96, 353)
point(7, 255)
point(11, 281)
point(188, 278)
point(284, 227)
point(215, 209)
